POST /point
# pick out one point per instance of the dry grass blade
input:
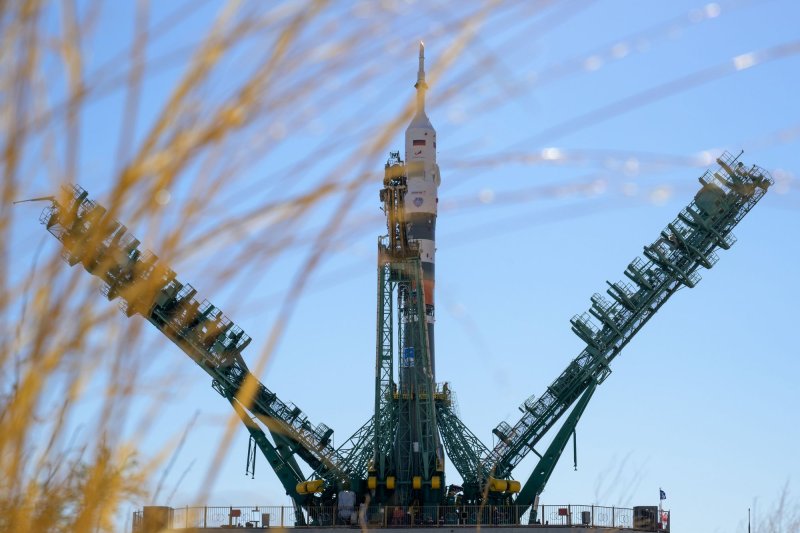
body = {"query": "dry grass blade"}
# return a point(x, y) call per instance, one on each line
point(231, 138)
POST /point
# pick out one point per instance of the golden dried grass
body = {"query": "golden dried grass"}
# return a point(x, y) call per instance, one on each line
point(63, 345)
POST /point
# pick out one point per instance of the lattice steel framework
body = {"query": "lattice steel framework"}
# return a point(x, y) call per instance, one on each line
point(396, 455)
point(672, 261)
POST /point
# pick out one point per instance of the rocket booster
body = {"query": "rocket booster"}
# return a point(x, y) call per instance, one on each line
point(422, 198)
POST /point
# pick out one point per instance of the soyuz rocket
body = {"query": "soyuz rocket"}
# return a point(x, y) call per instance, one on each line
point(422, 197)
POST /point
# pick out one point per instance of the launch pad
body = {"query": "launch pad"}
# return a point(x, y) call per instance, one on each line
point(395, 461)
point(589, 518)
point(495, 529)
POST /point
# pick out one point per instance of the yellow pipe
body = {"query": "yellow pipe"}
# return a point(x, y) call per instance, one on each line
point(498, 485)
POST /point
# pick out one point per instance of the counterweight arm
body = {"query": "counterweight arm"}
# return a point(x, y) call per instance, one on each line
point(149, 288)
point(671, 262)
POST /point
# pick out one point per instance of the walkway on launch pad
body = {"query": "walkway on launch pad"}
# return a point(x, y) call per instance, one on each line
point(494, 529)
point(506, 519)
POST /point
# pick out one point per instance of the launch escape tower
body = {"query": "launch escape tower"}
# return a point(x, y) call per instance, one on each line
point(396, 458)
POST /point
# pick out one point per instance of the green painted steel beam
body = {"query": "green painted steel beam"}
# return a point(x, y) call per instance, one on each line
point(671, 262)
point(464, 449)
point(357, 450)
point(288, 472)
point(417, 446)
point(404, 436)
point(147, 287)
point(385, 414)
point(547, 463)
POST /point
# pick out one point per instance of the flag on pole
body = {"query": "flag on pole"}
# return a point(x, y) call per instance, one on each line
point(663, 495)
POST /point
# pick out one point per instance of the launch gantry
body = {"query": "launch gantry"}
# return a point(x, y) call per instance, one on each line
point(397, 456)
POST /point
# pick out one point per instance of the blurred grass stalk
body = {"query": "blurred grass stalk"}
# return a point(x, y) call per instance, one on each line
point(72, 366)
point(76, 400)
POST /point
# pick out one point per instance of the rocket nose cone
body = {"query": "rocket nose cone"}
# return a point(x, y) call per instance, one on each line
point(420, 121)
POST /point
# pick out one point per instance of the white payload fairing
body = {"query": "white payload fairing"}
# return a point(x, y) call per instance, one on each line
point(422, 198)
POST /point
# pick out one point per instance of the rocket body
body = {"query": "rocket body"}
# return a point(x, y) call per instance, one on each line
point(421, 202)
point(417, 449)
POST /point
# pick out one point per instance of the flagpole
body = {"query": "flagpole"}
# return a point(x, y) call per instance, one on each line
point(748, 520)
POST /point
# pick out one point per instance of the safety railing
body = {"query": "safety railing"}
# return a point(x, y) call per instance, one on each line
point(380, 516)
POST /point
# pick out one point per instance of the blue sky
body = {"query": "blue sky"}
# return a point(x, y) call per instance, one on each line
point(569, 136)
